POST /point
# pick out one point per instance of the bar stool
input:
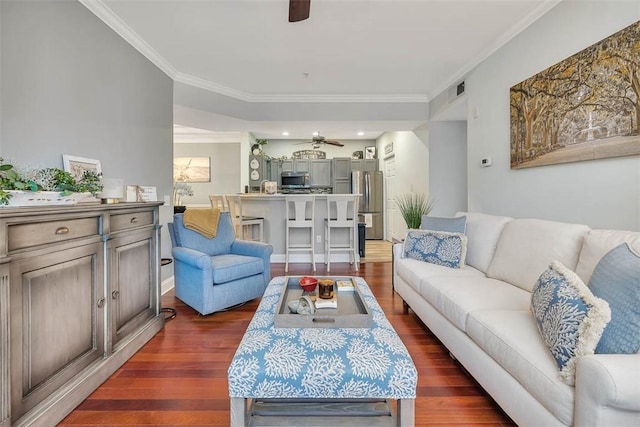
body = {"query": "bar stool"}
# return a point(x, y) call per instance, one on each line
point(341, 214)
point(242, 222)
point(218, 202)
point(300, 214)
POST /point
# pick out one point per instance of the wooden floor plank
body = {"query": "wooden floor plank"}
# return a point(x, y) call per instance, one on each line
point(180, 376)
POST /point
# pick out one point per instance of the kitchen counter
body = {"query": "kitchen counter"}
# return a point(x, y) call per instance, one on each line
point(271, 207)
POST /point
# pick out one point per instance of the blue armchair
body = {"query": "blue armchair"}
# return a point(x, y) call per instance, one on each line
point(213, 274)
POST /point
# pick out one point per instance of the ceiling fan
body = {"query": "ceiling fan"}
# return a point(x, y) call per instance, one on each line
point(299, 10)
point(318, 140)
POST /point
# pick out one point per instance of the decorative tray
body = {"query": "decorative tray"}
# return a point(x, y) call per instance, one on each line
point(352, 311)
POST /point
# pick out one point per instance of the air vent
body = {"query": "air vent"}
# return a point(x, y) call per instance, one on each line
point(456, 91)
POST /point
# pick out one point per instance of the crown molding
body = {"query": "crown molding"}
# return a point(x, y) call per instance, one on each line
point(520, 26)
point(248, 97)
point(106, 15)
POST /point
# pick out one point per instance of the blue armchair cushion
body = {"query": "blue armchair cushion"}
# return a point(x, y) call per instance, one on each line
point(227, 268)
point(221, 244)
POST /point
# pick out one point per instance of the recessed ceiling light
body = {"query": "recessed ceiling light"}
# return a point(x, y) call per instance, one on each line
point(316, 133)
point(285, 133)
point(360, 133)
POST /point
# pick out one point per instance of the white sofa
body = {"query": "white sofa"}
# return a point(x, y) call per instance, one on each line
point(481, 313)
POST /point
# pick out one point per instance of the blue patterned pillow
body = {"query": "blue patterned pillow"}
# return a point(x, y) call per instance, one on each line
point(616, 279)
point(436, 247)
point(451, 225)
point(569, 318)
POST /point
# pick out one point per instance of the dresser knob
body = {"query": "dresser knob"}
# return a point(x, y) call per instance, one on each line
point(101, 302)
point(115, 294)
point(134, 220)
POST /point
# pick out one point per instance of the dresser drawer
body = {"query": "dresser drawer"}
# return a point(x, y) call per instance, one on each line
point(40, 233)
point(121, 222)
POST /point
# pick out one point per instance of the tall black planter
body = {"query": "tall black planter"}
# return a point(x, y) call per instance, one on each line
point(179, 209)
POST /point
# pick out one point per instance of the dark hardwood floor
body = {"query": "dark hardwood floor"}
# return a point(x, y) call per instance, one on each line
point(180, 376)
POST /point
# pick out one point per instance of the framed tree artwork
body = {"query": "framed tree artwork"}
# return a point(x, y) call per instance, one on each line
point(583, 108)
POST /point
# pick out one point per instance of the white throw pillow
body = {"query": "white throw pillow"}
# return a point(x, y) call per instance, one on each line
point(527, 247)
point(597, 243)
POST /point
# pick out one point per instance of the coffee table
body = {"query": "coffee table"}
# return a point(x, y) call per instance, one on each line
point(321, 376)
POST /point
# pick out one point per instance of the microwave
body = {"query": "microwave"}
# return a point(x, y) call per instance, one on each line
point(293, 180)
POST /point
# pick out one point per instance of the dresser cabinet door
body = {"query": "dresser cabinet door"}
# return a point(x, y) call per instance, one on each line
point(56, 316)
point(133, 290)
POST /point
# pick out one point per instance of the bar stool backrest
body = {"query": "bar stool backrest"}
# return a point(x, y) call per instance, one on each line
point(218, 202)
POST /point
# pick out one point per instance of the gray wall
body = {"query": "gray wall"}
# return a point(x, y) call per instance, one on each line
point(70, 85)
point(225, 169)
point(448, 167)
point(600, 193)
point(286, 147)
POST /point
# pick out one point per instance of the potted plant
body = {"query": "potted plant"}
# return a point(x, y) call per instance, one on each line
point(44, 186)
point(11, 180)
point(256, 148)
point(412, 206)
point(180, 189)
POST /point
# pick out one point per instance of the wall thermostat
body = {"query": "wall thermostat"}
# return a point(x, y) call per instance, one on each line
point(485, 162)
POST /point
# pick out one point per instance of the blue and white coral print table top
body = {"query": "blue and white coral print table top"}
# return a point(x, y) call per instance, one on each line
point(349, 363)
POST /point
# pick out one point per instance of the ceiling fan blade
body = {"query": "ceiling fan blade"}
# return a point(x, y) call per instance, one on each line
point(336, 143)
point(299, 10)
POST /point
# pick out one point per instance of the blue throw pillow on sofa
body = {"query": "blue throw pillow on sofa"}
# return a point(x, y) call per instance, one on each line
point(616, 279)
point(570, 319)
point(436, 247)
point(450, 225)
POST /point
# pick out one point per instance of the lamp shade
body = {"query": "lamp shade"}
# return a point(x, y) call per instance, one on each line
point(113, 188)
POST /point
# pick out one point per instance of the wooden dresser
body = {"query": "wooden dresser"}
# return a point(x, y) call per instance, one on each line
point(79, 295)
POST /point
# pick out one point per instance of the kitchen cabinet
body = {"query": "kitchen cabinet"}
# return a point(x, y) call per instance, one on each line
point(301, 165)
point(341, 181)
point(287, 166)
point(320, 173)
point(367, 165)
point(295, 165)
point(276, 172)
point(79, 295)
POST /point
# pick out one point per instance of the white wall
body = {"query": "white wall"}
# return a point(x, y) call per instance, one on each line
point(448, 167)
point(411, 156)
point(225, 170)
point(601, 193)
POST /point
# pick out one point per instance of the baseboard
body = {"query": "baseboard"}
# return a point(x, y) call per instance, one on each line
point(167, 285)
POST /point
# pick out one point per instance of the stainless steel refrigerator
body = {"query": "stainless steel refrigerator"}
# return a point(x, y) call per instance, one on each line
point(369, 185)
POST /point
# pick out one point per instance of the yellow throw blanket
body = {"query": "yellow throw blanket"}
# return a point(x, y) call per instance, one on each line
point(204, 221)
